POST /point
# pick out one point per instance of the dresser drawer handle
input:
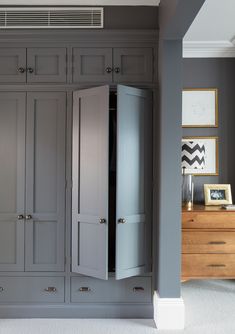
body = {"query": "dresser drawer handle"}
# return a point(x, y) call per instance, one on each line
point(51, 289)
point(84, 289)
point(138, 289)
point(1, 289)
point(216, 265)
point(216, 243)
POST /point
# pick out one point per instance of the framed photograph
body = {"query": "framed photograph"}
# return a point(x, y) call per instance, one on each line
point(200, 108)
point(211, 165)
point(217, 194)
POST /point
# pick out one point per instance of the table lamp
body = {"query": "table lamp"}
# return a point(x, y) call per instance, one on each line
point(192, 158)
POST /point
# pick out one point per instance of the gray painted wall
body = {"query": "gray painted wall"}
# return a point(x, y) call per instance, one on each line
point(131, 17)
point(167, 190)
point(215, 73)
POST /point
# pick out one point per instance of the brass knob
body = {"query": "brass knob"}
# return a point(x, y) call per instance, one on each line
point(102, 221)
point(109, 69)
point(30, 70)
point(117, 70)
point(20, 217)
point(121, 221)
point(21, 70)
point(28, 217)
point(50, 289)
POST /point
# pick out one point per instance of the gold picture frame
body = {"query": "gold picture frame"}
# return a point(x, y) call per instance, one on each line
point(217, 194)
point(215, 139)
point(198, 109)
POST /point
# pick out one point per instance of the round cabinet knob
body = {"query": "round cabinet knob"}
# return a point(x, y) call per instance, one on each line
point(21, 70)
point(102, 221)
point(20, 217)
point(1, 289)
point(117, 70)
point(121, 221)
point(30, 70)
point(28, 217)
point(108, 69)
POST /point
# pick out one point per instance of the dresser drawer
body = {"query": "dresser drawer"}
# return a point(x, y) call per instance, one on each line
point(31, 289)
point(208, 220)
point(208, 242)
point(208, 265)
point(130, 290)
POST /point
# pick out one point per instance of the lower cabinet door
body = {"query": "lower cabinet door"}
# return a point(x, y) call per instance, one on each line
point(91, 290)
point(31, 289)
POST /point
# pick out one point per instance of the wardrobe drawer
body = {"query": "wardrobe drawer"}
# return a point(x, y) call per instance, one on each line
point(208, 220)
point(208, 242)
point(130, 290)
point(208, 265)
point(31, 289)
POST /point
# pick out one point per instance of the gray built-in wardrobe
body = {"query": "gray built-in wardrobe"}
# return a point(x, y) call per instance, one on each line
point(76, 118)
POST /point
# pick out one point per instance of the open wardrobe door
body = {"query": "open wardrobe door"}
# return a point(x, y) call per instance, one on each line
point(90, 170)
point(134, 180)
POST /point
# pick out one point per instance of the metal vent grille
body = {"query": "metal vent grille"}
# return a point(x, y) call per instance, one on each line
point(51, 18)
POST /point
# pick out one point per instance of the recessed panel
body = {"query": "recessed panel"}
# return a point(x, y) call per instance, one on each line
point(8, 237)
point(45, 65)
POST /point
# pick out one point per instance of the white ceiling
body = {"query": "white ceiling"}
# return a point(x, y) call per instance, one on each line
point(213, 31)
point(82, 2)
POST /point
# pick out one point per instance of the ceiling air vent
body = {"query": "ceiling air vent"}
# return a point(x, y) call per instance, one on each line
point(31, 17)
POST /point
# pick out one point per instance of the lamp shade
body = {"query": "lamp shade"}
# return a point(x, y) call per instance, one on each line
point(193, 154)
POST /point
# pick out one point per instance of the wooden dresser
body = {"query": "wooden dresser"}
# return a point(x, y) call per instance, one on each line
point(208, 243)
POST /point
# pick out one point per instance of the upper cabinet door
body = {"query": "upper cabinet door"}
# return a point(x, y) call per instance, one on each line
point(92, 65)
point(90, 171)
point(12, 180)
point(45, 181)
point(46, 65)
point(133, 64)
point(134, 177)
point(12, 65)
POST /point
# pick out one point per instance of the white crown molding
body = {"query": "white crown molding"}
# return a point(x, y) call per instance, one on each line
point(209, 49)
point(80, 2)
point(169, 313)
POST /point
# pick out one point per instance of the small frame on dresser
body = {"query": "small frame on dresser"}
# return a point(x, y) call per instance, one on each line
point(217, 194)
point(200, 108)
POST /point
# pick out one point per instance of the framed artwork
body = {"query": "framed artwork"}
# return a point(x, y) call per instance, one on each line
point(217, 194)
point(211, 155)
point(200, 108)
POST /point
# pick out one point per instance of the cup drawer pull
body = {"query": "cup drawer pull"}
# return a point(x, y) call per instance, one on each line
point(84, 289)
point(51, 289)
point(216, 243)
point(216, 265)
point(138, 289)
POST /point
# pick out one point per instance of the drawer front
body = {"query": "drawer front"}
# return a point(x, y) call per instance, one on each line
point(31, 289)
point(208, 220)
point(208, 265)
point(208, 242)
point(131, 290)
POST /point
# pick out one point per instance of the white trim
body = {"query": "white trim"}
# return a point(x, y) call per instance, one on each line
point(209, 49)
point(81, 2)
point(169, 313)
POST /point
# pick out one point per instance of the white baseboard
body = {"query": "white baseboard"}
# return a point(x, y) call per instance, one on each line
point(169, 313)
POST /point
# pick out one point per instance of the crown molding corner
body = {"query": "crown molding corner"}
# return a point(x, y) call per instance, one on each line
point(209, 49)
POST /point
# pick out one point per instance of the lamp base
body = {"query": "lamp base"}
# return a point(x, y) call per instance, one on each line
point(187, 191)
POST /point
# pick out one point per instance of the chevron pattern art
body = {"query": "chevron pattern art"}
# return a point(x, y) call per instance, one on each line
point(193, 154)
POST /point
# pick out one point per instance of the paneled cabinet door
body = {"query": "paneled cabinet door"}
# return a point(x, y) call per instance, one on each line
point(46, 65)
point(12, 180)
point(45, 181)
point(90, 182)
point(134, 181)
point(12, 65)
point(92, 65)
point(133, 64)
